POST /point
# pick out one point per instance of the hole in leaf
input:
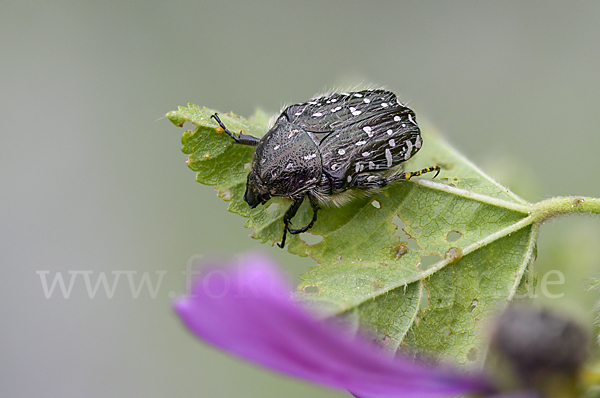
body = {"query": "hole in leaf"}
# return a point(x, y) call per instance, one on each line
point(247, 166)
point(472, 355)
point(386, 340)
point(311, 239)
point(272, 208)
point(473, 305)
point(338, 259)
point(376, 204)
point(417, 230)
point(453, 236)
point(427, 261)
point(311, 289)
point(411, 242)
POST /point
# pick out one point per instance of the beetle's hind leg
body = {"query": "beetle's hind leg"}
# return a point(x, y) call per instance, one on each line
point(411, 174)
point(243, 139)
point(376, 180)
point(369, 181)
point(291, 212)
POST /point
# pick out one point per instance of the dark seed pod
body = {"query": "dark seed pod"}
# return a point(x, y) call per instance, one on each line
point(330, 149)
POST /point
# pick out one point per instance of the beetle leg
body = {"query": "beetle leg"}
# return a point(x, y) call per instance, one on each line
point(380, 180)
point(368, 181)
point(315, 207)
point(411, 174)
point(330, 181)
point(287, 218)
point(243, 139)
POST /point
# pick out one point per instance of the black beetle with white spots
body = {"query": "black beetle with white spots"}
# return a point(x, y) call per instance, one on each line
point(330, 150)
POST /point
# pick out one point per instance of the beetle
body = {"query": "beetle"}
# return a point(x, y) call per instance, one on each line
point(331, 149)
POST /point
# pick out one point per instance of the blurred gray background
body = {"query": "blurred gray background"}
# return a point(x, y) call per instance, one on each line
point(92, 179)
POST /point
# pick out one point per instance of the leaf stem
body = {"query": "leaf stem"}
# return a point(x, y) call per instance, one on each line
point(542, 211)
point(519, 207)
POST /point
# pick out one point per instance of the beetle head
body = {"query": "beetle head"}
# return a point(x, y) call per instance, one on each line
point(256, 191)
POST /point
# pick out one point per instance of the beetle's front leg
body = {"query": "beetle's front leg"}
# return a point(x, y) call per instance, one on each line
point(315, 208)
point(287, 218)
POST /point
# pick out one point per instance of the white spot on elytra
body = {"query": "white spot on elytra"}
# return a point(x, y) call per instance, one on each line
point(366, 154)
point(337, 108)
point(371, 165)
point(341, 151)
point(276, 147)
point(384, 105)
point(317, 114)
point(390, 132)
point(366, 100)
point(388, 157)
point(358, 95)
point(289, 166)
point(311, 156)
point(362, 142)
point(298, 113)
point(334, 166)
point(392, 142)
point(396, 118)
point(334, 100)
point(409, 147)
point(349, 178)
point(403, 125)
point(312, 103)
point(368, 130)
point(344, 94)
point(418, 142)
point(356, 113)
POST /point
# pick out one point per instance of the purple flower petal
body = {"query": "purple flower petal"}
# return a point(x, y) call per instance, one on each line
point(248, 311)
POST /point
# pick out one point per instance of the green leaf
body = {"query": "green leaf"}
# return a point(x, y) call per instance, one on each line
point(421, 264)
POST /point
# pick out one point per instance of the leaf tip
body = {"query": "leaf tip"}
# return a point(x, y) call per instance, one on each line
point(176, 118)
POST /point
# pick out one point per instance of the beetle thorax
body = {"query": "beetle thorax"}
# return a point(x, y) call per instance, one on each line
point(287, 161)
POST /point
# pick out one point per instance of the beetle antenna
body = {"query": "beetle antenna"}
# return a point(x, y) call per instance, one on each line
point(243, 139)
